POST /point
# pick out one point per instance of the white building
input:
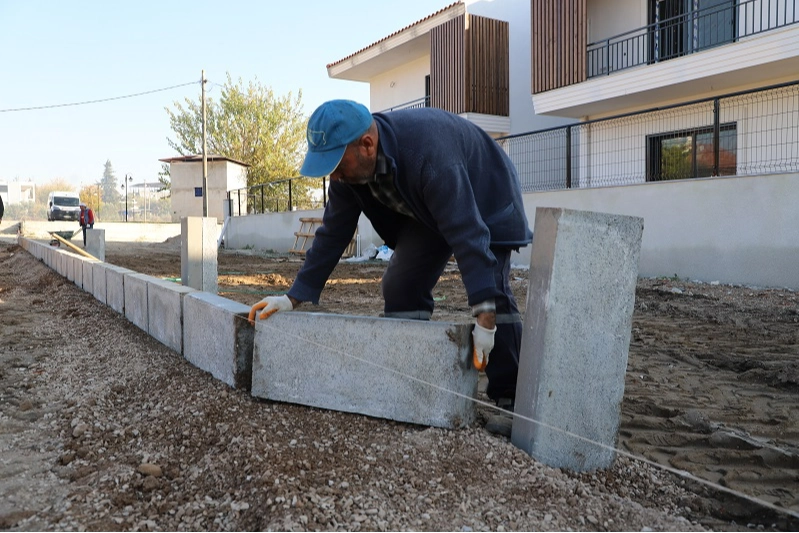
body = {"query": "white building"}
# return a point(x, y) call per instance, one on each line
point(15, 192)
point(186, 175)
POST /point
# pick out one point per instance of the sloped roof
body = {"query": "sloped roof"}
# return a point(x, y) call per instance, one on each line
point(395, 33)
point(199, 157)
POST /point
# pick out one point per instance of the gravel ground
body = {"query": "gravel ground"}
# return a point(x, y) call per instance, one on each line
point(103, 428)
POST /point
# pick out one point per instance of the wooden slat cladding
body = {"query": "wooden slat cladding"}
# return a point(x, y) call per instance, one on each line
point(489, 66)
point(559, 38)
point(447, 65)
point(470, 66)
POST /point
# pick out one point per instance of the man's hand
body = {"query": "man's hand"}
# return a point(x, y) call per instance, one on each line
point(483, 344)
point(271, 305)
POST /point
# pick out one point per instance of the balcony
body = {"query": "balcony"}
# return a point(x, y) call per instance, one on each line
point(688, 33)
point(732, 45)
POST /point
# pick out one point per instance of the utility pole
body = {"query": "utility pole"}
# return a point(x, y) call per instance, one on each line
point(205, 154)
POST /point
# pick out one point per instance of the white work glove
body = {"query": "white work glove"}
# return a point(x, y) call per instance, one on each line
point(269, 306)
point(483, 344)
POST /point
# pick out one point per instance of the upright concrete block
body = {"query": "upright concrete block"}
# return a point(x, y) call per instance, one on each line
point(99, 288)
point(198, 253)
point(87, 269)
point(404, 370)
point(218, 338)
point(135, 287)
point(115, 287)
point(583, 272)
point(68, 260)
point(95, 243)
point(165, 312)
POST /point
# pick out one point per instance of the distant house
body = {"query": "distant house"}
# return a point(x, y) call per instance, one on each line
point(186, 175)
point(15, 192)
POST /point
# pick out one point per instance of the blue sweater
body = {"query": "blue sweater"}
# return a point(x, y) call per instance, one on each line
point(455, 179)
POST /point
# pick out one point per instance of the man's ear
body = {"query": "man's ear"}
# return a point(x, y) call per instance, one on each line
point(368, 142)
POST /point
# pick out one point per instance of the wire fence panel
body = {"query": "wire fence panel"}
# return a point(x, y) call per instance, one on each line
point(747, 133)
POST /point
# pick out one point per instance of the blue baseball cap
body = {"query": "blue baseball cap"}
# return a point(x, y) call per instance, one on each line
point(331, 128)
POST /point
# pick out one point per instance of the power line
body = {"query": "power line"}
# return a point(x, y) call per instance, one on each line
point(97, 101)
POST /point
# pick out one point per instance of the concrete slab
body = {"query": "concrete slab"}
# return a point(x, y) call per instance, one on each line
point(87, 270)
point(95, 243)
point(136, 305)
point(99, 289)
point(198, 253)
point(115, 287)
point(165, 312)
point(218, 338)
point(402, 370)
point(583, 272)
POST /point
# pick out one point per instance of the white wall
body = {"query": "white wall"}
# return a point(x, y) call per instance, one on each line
point(731, 230)
point(607, 18)
point(275, 231)
point(517, 14)
point(400, 85)
point(185, 176)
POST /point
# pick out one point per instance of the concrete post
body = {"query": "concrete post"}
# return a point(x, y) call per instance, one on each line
point(198, 253)
point(583, 272)
point(95, 243)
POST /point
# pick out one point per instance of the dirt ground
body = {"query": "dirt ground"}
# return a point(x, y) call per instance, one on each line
point(712, 389)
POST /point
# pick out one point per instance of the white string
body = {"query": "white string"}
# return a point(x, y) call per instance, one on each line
point(681, 473)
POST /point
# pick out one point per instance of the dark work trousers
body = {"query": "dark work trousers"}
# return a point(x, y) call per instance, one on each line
point(90, 226)
point(419, 259)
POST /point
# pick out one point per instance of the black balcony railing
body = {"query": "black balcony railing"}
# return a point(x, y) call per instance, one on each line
point(672, 36)
point(419, 102)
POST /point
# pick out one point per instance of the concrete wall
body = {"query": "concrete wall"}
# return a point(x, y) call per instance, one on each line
point(732, 230)
point(275, 231)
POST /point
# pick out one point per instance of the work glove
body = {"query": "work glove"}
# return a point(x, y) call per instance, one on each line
point(270, 305)
point(483, 344)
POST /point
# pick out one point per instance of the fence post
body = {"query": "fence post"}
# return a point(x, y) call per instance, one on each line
point(568, 157)
point(716, 135)
point(290, 194)
point(263, 204)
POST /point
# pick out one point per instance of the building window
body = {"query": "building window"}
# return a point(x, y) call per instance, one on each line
point(427, 91)
point(689, 154)
point(198, 192)
point(683, 27)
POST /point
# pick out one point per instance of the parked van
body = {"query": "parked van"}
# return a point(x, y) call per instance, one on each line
point(63, 206)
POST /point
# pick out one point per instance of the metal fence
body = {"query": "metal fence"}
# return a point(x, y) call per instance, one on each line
point(678, 31)
point(740, 134)
point(745, 133)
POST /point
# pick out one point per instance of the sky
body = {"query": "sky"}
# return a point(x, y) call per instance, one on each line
point(57, 52)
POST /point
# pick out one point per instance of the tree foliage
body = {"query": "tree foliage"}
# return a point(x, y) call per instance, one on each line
point(108, 184)
point(250, 124)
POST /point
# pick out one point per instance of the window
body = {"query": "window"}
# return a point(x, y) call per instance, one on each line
point(427, 91)
point(689, 154)
point(686, 26)
point(198, 192)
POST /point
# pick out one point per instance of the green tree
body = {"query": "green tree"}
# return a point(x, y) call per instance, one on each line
point(108, 184)
point(164, 178)
point(253, 125)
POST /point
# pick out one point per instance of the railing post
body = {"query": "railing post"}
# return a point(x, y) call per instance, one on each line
point(568, 157)
point(238, 199)
point(263, 204)
point(716, 135)
point(290, 194)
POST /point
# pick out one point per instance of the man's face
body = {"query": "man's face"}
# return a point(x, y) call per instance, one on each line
point(357, 167)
